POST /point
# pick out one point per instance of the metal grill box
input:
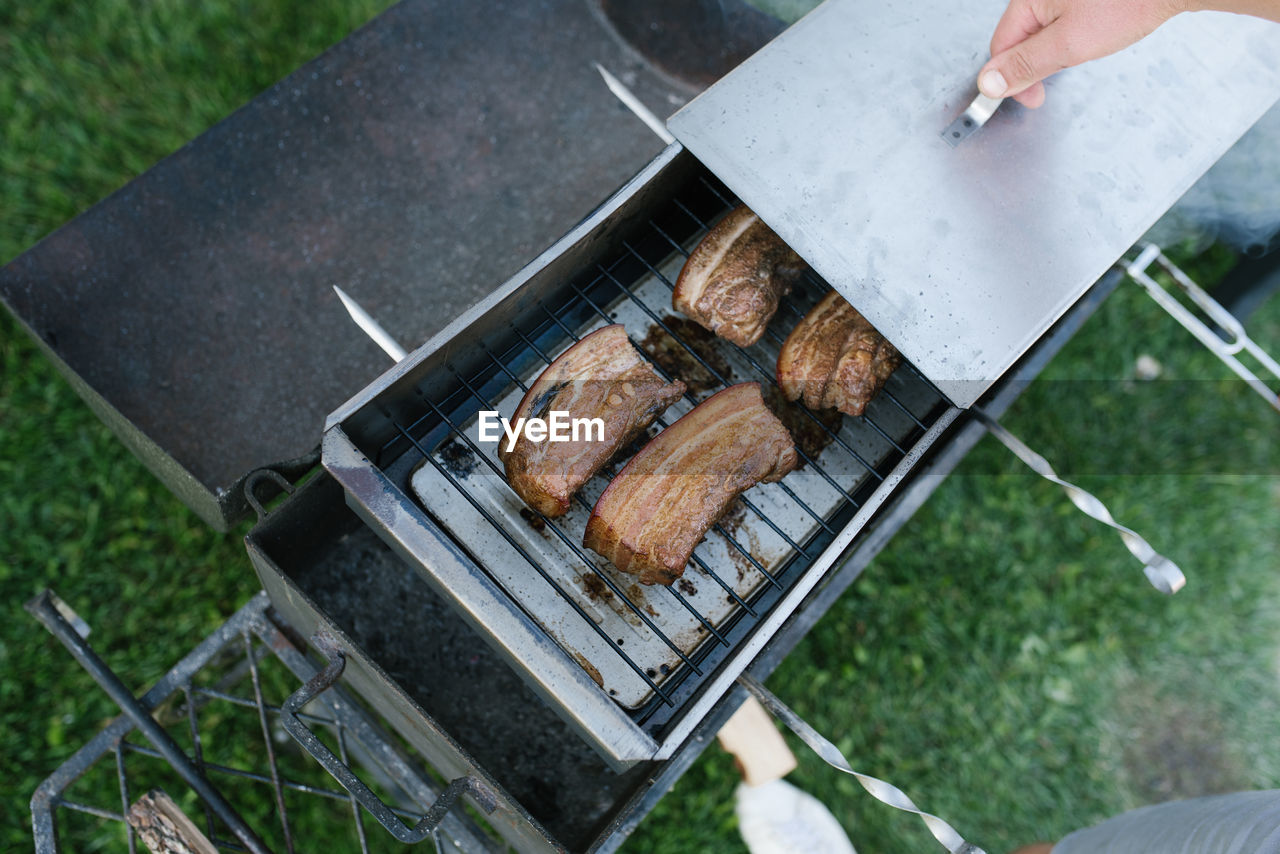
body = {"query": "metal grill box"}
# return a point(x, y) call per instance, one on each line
point(633, 669)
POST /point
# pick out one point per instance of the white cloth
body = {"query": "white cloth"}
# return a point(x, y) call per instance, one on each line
point(778, 818)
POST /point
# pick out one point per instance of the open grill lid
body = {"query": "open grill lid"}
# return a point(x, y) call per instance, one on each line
point(964, 256)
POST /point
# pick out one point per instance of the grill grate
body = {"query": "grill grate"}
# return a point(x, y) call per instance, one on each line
point(850, 459)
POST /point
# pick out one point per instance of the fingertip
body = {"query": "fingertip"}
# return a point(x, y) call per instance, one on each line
point(991, 82)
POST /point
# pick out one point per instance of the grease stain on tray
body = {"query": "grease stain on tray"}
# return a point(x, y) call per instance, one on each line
point(589, 667)
point(598, 591)
point(677, 360)
point(637, 595)
point(811, 431)
point(534, 520)
point(595, 588)
point(731, 522)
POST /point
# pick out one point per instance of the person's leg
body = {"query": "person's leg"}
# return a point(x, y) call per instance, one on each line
point(1237, 823)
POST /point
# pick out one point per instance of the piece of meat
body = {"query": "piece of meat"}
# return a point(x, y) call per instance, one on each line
point(835, 358)
point(602, 376)
point(658, 508)
point(733, 280)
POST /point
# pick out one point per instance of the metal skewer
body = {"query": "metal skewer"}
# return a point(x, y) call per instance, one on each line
point(634, 104)
point(884, 792)
point(1163, 573)
point(371, 327)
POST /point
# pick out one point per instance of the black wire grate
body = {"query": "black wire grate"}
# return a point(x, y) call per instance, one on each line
point(222, 703)
point(490, 370)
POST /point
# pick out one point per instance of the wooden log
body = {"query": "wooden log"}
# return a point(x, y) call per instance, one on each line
point(761, 753)
point(164, 828)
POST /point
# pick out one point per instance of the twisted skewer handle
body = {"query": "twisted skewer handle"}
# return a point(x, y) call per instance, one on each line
point(880, 790)
point(1163, 573)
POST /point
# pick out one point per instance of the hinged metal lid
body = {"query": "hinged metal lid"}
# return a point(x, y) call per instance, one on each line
point(964, 256)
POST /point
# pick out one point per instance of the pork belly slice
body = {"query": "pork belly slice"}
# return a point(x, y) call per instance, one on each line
point(835, 358)
point(658, 508)
point(602, 376)
point(733, 280)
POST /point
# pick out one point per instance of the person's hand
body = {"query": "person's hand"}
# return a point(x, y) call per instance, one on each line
point(1036, 38)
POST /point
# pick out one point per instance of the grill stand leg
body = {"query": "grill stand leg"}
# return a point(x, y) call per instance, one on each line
point(456, 833)
point(1225, 348)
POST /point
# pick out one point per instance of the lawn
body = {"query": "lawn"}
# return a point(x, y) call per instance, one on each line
point(1003, 661)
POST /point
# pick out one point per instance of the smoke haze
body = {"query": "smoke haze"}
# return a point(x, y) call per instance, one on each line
point(1237, 201)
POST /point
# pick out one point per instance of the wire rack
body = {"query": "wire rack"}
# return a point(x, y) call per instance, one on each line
point(856, 454)
point(222, 704)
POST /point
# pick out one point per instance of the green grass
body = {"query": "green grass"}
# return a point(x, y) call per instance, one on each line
point(1003, 660)
point(91, 95)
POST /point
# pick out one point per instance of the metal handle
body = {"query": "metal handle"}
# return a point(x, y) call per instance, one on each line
point(1163, 573)
point(251, 488)
point(323, 681)
point(880, 790)
point(1223, 348)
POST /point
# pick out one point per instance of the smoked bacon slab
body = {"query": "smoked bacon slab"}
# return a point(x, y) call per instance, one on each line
point(602, 376)
point(835, 358)
point(733, 280)
point(660, 506)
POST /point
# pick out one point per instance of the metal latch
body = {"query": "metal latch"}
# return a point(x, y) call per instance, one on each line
point(974, 116)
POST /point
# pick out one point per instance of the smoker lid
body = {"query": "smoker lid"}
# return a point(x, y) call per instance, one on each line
point(418, 164)
point(964, 256)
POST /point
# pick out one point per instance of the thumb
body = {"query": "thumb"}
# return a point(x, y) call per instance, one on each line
point(1020, 69)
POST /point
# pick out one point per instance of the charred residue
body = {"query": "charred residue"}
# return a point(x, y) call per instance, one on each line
point(636, 594)
point(686, 587)
point(731, 522)
point(596, 588)
point(590, 668)
point(811, 431)
point(457, 458)
point(676, 359)
point(534, 520)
